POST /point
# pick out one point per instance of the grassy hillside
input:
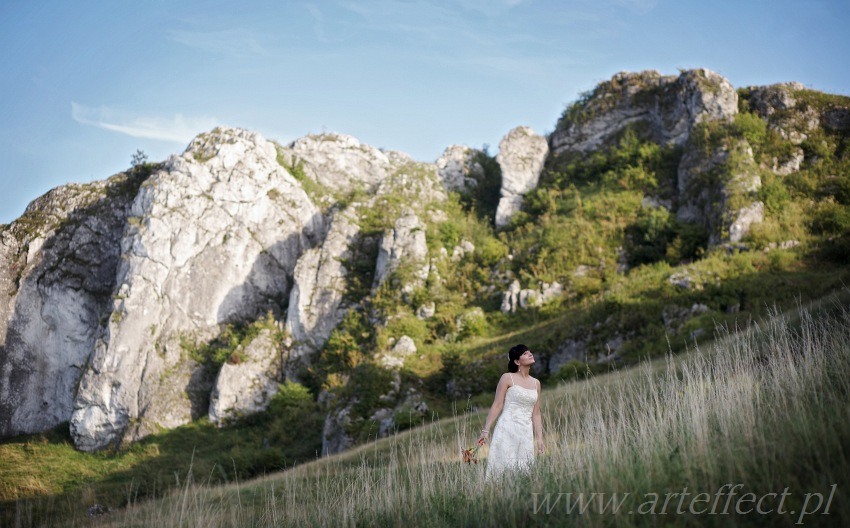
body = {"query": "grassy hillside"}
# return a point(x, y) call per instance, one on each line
point(766, 409)
point(633, 276)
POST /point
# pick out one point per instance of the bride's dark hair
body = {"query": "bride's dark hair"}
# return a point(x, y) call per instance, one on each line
point(514, 354)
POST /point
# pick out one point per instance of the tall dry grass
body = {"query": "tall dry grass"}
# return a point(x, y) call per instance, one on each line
point(766, 409)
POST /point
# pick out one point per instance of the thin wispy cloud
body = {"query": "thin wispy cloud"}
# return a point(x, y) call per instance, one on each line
point(230, 42)
point(638, 5)
point(455, 24)
point(318, 22)
point(177, 129)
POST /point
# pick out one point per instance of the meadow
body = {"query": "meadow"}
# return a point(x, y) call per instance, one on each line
point(756, 422)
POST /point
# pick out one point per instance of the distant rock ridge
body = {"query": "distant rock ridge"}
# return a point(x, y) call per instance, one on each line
point(665, 107)
point(108, 291)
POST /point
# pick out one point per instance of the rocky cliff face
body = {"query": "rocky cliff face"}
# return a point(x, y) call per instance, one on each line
point(59, 264)
point(717, 183)
point(316, 303)
point(110, 292)
point(111, 286)
point(664, 108)
point(214, 238)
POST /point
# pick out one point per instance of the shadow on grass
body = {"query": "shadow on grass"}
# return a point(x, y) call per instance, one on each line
point(64, 483)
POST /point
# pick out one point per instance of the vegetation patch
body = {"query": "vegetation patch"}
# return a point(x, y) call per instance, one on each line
point(229, 345)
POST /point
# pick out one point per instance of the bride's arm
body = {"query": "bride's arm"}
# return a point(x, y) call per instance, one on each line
point(537, 421)
point(496, 408)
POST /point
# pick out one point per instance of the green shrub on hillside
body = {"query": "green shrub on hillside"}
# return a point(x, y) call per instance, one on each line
point(348, 345)
point(229, 344)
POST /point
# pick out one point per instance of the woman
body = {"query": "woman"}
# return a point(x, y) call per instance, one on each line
point(518, 394)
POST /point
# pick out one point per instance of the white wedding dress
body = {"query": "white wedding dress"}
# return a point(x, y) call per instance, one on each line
point(512, 446)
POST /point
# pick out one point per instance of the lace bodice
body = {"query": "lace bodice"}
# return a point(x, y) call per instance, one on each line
point(519, 403)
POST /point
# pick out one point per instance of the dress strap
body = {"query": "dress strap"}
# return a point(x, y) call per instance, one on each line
point(512, 379)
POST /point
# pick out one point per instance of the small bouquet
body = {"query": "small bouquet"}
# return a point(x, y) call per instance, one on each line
point(470, 454)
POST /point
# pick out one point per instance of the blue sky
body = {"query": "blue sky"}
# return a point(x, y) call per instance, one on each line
point(83, 84)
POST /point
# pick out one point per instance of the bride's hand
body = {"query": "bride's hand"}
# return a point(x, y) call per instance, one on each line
point(540, 447)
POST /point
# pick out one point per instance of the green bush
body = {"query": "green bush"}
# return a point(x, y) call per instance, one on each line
point(228, 346)
point(577, 370)
point(449, 234)
point(774, 194)
point(647, 239)
point(347, 345)
point(830, 218)
point(484, 198)
point(489, 251)
point(366, 384)
point(657, 236)
point(406, 324)
point(751, 127)
point(474, 324)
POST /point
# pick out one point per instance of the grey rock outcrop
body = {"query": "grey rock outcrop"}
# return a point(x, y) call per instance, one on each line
point(427, 310)
point(247, 386)
point(458, 169)
point(59, 263)
point(316, 302)
point(570, 350)
point(775, 104)
point(522, 154)
point(412, 409)
point(743, 219)
point(417, 182)
point(334, 436)
point(215, 239)
point(664, 108)
point(516, 297)
point(788, 165)
point(404, 244)
point(510, 298)
point(776, 98)
point(341, 162)
point(465, 248)
point(404, 347)
point(675, 317)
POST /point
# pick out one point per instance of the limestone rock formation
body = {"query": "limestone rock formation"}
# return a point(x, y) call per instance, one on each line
point(778, 105)
point(664, 108)
point(675, 317)
point(516, 297)
point(214, 238)
point(59, 263)
point(404, 244)
point(521, 157)
point(458, 169)
point(569, 350)
point(743, 219)
point(247, 385)
point(316, 304)
point(334, 437)
point(340, 162)
point(403, 348)
point(109, 291)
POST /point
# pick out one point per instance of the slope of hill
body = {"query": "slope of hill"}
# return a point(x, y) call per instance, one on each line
point(762, 412)
point(244, 288)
